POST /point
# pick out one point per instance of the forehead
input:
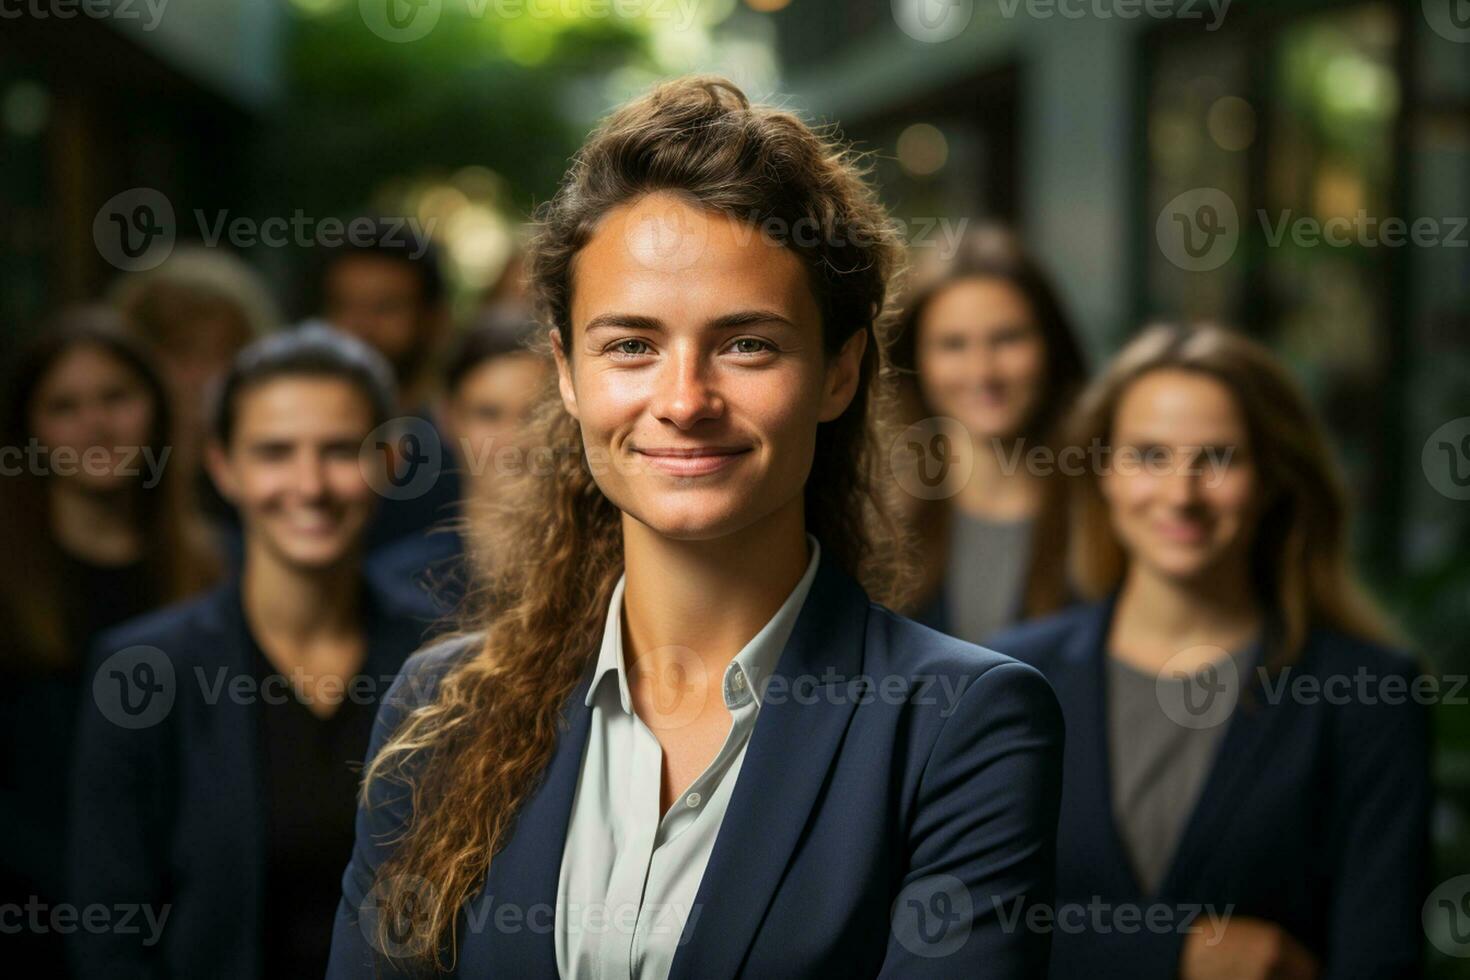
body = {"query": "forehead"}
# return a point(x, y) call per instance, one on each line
point(366, 271)
point(663, 257)
point(977, 301)
point(1171, 405)
point(300, 405)
point(506, 374)
point(83, 365)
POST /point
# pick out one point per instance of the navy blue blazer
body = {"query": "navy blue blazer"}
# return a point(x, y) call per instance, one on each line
point(886, 814)
point(1314, 816)
point(172, 814)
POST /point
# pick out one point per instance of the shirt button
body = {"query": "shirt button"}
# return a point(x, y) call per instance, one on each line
point(692, 800)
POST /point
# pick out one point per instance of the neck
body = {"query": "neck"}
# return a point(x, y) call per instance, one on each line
point(1158, 615)
point(709, 596)
point(1000, 485)
point(99, 527)
point(294, 608)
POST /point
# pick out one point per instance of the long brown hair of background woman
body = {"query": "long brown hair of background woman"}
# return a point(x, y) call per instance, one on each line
point(991, 252)
point(1299, 562)
point(473, 755)
point(176, 558)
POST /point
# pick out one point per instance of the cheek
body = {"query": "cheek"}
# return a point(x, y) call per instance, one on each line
point(55, 432)
point(1023, 365)
point(131, 422)
point(1126, 493)
point(347, 482)
point(1234, 494)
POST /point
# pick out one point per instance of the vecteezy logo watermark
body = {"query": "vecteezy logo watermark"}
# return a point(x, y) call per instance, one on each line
point(933, 916)
point(666, 234)
point(1363, 230)
point(933, 21)
point(1446, 917)
point(398, 925)
point(96, 9)
point(671, 685)
point(1450, 19)
point(135, 230)
point(1120, 9)
point(135, 687)
point(1198, 230)
point(402, 458)
point(1199, 687)
point(932, 459)
point(1446, 458)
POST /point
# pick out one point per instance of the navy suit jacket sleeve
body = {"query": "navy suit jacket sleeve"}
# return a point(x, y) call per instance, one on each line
point(120, 831)
point(381, 821)
point(982, 851)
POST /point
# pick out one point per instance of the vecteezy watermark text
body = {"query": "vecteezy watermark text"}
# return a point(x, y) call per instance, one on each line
point(152, 10)
point(1120, 9)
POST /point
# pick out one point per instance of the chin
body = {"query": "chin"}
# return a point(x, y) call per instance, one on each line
point(691, 523)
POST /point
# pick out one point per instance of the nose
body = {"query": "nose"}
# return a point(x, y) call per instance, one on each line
point(1182, 482)
point(683, 391)
point(309, 477)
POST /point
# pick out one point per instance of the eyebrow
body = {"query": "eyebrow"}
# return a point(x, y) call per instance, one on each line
point(727, 321)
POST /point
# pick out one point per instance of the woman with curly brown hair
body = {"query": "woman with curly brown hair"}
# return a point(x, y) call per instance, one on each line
point(683, 741)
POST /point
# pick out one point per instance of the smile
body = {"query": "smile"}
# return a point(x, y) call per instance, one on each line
point(691, 462)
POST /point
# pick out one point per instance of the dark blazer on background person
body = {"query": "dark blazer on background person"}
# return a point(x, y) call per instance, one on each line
point(898, 764)
point(171, 814)
point(1314, 815)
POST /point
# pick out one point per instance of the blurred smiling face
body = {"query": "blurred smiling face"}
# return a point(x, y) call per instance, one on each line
point(981, 358)
point(696, 369)
point(292, 468)
point(96, 409)
point(1182, 492)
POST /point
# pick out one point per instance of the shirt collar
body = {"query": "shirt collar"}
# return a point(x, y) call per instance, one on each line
point(746, 675)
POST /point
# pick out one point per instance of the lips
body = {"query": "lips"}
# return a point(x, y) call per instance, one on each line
point(1182, 532)
point(692, 461)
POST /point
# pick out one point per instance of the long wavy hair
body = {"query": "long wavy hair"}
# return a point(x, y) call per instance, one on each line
point(992, 252)
point(549, 548)
point(1299, 556)
point(177, 558)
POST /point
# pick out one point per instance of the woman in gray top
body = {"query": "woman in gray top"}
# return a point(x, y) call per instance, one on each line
point(991, 362)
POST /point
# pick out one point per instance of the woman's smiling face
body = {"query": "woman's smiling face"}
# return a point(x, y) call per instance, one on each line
point(695, 368)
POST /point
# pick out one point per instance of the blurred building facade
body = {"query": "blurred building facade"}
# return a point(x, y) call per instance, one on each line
point(91, 106)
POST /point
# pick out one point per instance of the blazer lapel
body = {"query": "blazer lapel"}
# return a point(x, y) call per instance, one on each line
point(1238, 760)
point(785, 765)
point(527, 872)
point(242, 784)
point(1080, 681)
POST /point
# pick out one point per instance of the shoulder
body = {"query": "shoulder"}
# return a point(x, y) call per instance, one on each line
point(1332, 651)
point(418, 682)
point(1041, 641)
point(961, 677)
point(176, 629)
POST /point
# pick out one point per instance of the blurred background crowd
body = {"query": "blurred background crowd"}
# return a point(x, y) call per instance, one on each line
point(183, 179)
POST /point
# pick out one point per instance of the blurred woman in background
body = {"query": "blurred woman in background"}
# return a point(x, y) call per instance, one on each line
point(1234, 740)
point(216, 774)
point(491, 382)
point(98, 530)
point(986, 347)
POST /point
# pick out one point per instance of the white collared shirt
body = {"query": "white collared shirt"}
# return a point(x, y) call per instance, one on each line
point(628, 877)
